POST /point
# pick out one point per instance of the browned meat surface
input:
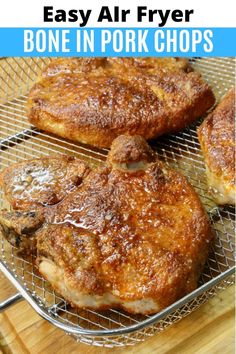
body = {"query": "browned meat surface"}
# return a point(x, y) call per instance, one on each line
point(95, 100)
point(43, 181)
point(19, 228)
point(217, 139)
point(133, 235)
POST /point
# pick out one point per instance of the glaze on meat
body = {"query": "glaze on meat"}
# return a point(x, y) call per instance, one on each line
point(42, 181)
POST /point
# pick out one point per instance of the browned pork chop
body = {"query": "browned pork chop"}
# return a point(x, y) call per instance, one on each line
point(133, 235)
point(217, 139)
point(95, 100)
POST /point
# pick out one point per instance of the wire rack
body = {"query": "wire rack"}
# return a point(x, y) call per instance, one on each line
point(19, 141)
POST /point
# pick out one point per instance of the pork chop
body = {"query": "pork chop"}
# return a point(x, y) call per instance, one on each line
point(133, 235)
point(95, 100)
point(217, 139)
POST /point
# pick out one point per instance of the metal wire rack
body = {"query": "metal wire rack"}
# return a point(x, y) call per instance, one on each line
point(19, 141)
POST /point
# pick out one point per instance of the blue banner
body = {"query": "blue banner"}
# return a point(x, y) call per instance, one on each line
point(90, 42)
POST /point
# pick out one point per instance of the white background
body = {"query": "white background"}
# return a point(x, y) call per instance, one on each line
point(29, 13)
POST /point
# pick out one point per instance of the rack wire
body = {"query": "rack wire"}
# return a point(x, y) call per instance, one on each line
point(19, 141)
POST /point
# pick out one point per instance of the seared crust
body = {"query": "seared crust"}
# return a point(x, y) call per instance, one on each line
point(95, 100)
point(217, 139)
point(40, 182)
point(19, 228)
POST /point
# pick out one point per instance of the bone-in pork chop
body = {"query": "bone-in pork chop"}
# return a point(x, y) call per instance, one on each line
point(217, 139)
point(95, 100)
point(132, 235)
